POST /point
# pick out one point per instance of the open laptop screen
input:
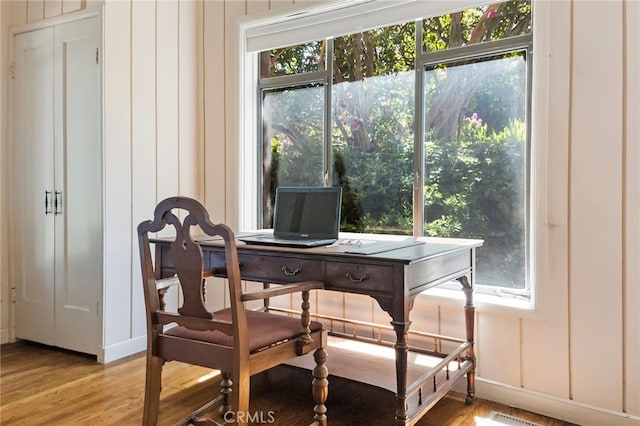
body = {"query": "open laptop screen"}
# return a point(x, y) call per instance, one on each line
point(302, 212)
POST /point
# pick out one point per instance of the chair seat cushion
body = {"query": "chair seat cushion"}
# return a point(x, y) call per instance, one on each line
point(265, 330)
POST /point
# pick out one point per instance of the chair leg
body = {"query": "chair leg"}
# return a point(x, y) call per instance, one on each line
point(320, 387)
point(240, 396)
point(153, 383)
point(225, 389)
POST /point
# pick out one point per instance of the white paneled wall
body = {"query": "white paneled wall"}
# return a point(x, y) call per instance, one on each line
point(118, 154)
point(595, 208)
point(155, 99)
point(215, 107)
point(170, 126)
point(545, 339)
point(580, 345)
point(4, 264)
point(146, 137)
point(167, 113)
point(153, 133)
point(190, 100)
point(631, 234)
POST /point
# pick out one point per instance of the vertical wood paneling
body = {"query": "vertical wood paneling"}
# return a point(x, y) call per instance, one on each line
point(332, 303)
point(69, 6)
point(16, 14)
point(281, 4)
point(86, 4)
point(452, 323)
point(52, 8)
point(452, 320)
point(117, 169)
point(4, 180)
point(632, 224)
point(190, 98)
point(144, 139)
point(35, 10)
point(233, 10)
point(166, 47)
point(359, 307)
point(425, 314)
point(595, 209)
point(499, 348)
point(255, 7)
point(217, 296)
point(425, 317)
point(215, 109)
point(546, 365)
point(206, 95)
point(11, 14)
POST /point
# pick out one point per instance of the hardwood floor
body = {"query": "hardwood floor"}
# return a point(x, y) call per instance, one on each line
point(40, 385)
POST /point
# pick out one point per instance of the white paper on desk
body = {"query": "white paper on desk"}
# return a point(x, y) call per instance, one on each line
point(374, 247)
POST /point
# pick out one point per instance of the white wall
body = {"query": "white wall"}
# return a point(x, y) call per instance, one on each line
point(170, 105)
point(4, 283)
point(153, 106)
point(575, 357)
point(153, 137)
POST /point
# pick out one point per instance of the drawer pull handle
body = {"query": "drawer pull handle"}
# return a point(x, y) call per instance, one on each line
point(357, 280)
point(288, 272)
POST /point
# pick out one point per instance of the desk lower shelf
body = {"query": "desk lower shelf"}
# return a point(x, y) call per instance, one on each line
point(430, 375)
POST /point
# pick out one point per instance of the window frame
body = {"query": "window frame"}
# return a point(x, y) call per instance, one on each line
point(481, 50)
point(536, 170)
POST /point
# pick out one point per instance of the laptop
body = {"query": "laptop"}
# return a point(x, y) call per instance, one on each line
point(303, 217)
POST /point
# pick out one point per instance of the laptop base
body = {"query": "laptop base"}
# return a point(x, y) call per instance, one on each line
point(270, 240)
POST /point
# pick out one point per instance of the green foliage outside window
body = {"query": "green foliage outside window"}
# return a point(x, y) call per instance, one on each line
point(475, 140)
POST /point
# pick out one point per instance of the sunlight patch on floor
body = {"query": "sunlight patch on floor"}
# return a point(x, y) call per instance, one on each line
point(361, 347)
point(208, 376)
point(386, 352)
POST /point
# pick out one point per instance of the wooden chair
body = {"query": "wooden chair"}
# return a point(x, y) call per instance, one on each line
point(236, 341)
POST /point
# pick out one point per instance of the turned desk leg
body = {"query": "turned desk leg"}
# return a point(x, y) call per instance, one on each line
point(305, 340)
point(469, 318)
point(402, 349)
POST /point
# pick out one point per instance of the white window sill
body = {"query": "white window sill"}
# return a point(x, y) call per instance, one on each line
point(483, 301)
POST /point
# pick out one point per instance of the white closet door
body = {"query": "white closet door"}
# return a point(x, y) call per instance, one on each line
point(78, 175)
point(33, 171)
point(58, 186)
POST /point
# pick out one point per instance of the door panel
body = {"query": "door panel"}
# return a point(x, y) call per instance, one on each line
point(78, 227)
point(33, 186)
point(58, 186)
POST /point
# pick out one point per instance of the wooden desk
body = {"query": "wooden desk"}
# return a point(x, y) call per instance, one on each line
point(393, 278)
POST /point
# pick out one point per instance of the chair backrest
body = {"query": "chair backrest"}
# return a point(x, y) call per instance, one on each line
point(187, 261)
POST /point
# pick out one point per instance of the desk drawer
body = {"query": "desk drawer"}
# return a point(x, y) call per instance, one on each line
point(359, 277)
point(278, 269)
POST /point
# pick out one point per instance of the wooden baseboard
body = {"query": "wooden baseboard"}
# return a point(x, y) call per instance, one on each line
point(548, 405)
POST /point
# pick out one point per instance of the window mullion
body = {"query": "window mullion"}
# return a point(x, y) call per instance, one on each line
point(328, 89)
point(418, 145)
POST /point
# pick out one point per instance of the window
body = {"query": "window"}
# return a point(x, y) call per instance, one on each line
point(433, 140)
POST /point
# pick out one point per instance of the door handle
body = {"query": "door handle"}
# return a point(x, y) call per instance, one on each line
point(47, 202)
point(57, 203)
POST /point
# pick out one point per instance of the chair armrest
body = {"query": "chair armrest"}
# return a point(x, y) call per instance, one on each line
point(282, 289)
